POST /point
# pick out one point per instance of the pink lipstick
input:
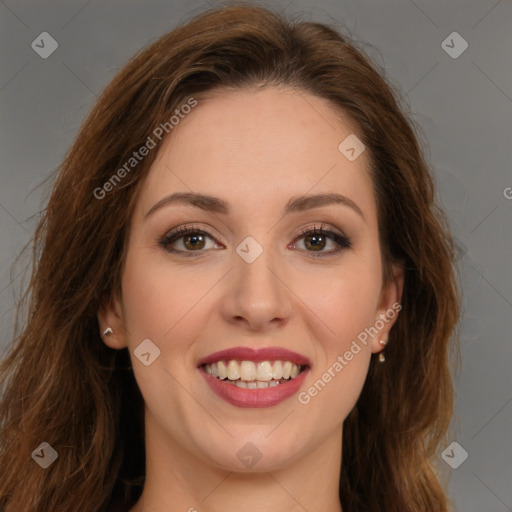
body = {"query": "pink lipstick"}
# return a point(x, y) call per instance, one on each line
point(246, 377)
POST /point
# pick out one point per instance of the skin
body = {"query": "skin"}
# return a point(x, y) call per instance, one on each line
point(255, 149)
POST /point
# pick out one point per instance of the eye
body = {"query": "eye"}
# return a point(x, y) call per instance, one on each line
point(191, 241)
point(186, 240)
point(316, 239)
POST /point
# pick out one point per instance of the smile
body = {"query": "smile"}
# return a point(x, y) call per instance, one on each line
point(246, 377)
point(251, 375)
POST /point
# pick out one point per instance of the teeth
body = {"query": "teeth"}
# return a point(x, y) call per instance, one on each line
point(250, 375)
point(233, 370)
point(248, 370)
point(222, 370)
point(264, 371)
point(254, 385)
point(277, 372)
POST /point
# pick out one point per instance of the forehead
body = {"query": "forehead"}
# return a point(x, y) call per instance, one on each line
point(270, 143)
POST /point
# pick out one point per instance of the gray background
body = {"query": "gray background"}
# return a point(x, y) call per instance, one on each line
point(462, 105)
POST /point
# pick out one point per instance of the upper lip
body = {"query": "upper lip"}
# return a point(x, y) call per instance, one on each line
point(255, 355)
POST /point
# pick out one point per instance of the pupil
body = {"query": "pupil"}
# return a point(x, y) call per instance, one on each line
point(194, 239)
point(316, 244)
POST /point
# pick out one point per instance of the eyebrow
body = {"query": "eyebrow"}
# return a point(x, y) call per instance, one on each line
point(217, 205)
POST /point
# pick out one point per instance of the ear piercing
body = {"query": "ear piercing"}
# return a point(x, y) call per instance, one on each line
point(108, 331)
point(382, 357)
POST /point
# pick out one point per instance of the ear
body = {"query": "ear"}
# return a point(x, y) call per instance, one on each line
point(110, 315)
point(388, 307)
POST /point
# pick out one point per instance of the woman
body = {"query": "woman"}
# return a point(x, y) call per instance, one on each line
point(244, 226)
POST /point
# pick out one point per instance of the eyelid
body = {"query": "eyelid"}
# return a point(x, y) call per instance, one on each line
point(331, 232)
point(334, 234)
point(320, 227)
point(176, 234)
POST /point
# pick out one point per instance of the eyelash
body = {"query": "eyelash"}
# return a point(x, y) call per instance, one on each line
point(342, 240)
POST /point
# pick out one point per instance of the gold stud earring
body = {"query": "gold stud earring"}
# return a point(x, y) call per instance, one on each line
point(108, 331)
point(383, 342)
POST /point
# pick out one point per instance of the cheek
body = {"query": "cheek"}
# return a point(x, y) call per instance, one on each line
point(332, 392)
point(156, 299)
point(343, 299)
point(344, 308)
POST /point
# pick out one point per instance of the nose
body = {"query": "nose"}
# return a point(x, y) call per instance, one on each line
point(256, 295)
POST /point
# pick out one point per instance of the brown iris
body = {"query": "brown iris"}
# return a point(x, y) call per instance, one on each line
point(194, 241)
point(317, 241)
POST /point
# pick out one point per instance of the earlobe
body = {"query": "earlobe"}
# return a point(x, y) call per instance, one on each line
point(111, 324)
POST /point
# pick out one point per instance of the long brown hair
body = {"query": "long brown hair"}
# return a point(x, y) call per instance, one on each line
point(62, 385)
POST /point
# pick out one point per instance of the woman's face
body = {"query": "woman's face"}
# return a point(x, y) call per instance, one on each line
point(245, 279)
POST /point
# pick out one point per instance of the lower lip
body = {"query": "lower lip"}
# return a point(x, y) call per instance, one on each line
point(266, 397)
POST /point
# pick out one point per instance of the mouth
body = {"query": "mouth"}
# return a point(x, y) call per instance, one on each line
point(247, 377)
point(254, 375)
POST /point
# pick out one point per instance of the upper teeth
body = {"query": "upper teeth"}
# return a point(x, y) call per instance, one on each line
point(249, 371)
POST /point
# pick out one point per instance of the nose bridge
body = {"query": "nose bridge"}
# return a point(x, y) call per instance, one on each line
point(256, 294)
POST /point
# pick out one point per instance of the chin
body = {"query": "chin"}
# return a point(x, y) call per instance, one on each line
point(246, 453)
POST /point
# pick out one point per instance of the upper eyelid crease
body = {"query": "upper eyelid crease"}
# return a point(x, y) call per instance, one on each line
point(192, 228)
point(217, 205)
point(341, 239)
